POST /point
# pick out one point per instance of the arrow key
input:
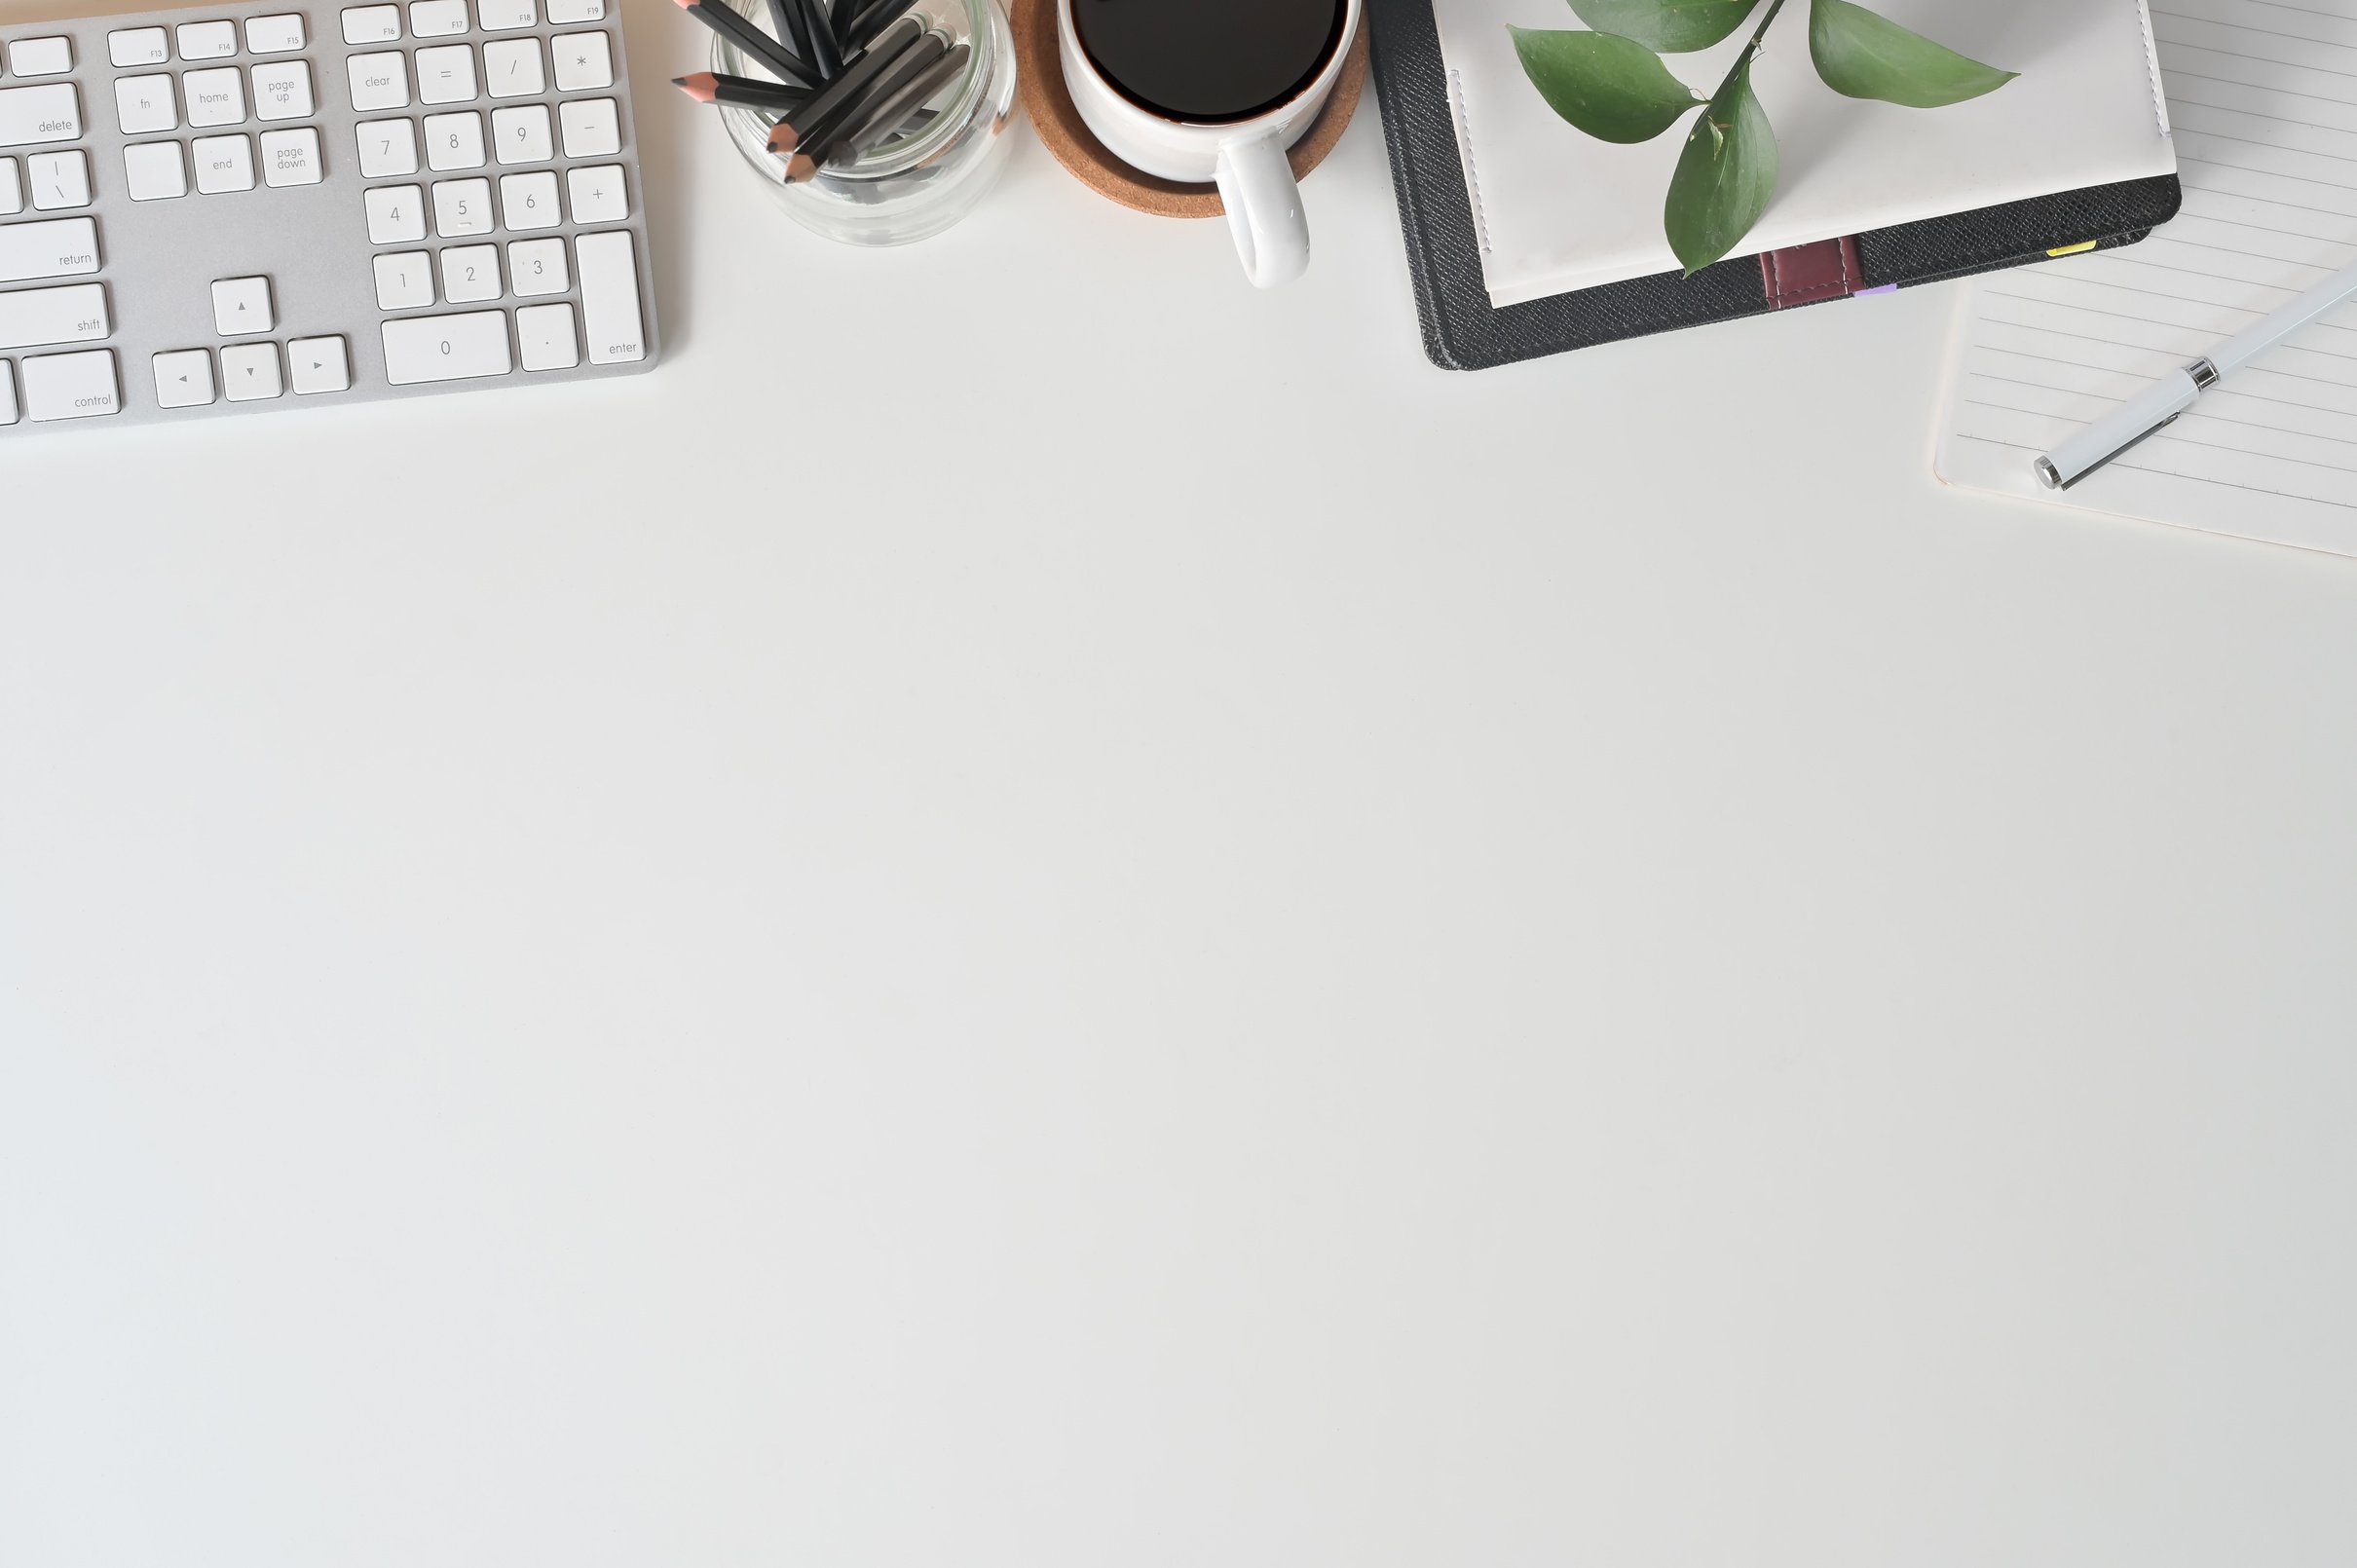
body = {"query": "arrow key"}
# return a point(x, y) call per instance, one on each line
point(318, 365)
point(184, 379)
point(241, 307)
point(250, 371)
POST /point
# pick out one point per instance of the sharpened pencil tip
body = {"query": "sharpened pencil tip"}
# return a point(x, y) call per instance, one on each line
point(783, 137)
point(697, 85)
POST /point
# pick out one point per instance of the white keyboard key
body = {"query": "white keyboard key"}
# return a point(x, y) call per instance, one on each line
point(405, 280)
point(275, 35)
point(215, 98)
point(58, 180)
point(207, 40)
point(11, 189)
point(40, 57)
point(437, 18)
point(145, 105)
point(583, 61)
point(372, 24)
point(388, 148)
point(59, 249)
point(377, 80)
point(135, 47)
point(250, 372)
point(529, 201)
point(592, 127)
point(446, 348)
point(292, 157)
point(32, 115)
point(598, 193)
point(397, 213)
point(155, 172)
point(8, 392)
point(521, 135)
point(32, 317)
point(318, 365)
point(470, 274)
point(72, 386)
point(454, 140)
point(241, 307)
point(282, 92)
point(223, 163)
point(184, 379)
point(545, 335)
point(607, 264)
point(566, 12)
point(512, 69)
point(446, 75)
point(505, 15)
point(538, 266)
point(461, 207)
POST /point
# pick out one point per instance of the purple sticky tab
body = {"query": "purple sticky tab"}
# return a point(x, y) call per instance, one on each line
point(1887, 288)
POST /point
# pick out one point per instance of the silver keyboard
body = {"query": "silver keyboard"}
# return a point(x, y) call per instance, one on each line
point(229, 209)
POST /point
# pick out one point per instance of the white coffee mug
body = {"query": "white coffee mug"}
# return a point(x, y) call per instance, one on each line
point(1247, 158)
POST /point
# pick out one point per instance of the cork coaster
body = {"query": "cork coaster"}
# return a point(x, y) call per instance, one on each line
point(1076, 147)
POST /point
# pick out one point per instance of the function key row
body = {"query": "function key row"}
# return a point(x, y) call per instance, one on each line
point(511, 68)
point(447, 19)
point(135, 47)
point(214, 96)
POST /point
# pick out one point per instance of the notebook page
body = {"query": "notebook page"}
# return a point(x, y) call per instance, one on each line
point(2263, 94)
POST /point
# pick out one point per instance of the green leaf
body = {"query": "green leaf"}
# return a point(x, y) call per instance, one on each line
point(1864, 55)
point(1673, 26)
point(1609, 86)
point(1725, 177)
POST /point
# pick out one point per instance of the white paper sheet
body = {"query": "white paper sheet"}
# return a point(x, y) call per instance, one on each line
point(1556, 210)
point(2263, 93)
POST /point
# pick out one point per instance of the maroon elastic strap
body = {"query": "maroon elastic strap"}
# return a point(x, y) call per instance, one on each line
point(1803, 274)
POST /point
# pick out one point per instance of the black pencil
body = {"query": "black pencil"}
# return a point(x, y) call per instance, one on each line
point(746, 93)
point(830, 140)
point(898, 107)
point(843, 14)
point(878, 16)
point(824, 113)
point(716, 16)
point(823, 37)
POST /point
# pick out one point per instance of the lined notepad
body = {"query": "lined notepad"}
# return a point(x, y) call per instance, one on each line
point(2263, 94)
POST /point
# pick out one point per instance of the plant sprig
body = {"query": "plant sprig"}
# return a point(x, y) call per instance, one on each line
point(1611, 83)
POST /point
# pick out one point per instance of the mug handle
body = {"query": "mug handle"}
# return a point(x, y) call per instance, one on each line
point(1264, 214)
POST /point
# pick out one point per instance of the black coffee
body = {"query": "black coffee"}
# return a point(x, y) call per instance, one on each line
point(1209, 60)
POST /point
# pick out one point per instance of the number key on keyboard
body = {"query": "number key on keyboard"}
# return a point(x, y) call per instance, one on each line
point(396, 214)
point(404, 281)
point(446, 348)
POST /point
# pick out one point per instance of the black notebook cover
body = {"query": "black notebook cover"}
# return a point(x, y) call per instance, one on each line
point(1463, 331)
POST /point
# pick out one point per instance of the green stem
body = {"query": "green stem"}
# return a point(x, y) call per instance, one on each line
point(1751, 50)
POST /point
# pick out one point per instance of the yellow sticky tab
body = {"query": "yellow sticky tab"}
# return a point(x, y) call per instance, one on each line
point(2072, 250)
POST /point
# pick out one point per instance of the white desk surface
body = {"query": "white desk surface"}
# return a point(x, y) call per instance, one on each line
point(1245, 953)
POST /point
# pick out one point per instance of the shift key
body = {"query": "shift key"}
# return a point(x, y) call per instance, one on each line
point(63, 247)
point(32, 115)
point(30, 318)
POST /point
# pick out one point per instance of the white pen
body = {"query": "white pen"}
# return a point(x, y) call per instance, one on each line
point(2158, 407)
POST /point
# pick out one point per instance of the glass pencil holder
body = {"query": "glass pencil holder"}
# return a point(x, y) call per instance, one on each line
point(917, 183)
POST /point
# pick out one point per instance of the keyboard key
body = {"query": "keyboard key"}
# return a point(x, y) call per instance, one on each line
point(135, 47)
point(609, 315)
point(251, 372)
point(184, 379)
point(32, 317)
point(11, 188)
point(545, 335)
point(318, 365)
point(58, 180)
point(40, 57)
point(155, 172)
point(145, 105)
point(446, 348)
point(405, 280)
point(388, 148)
point(292, 157)
point(59, 249)
point(566, 12)
point(529, 201)
point(32, 115)
point(282, 92)
point(437, 18)
point(583, 61)
point(521, 135)
point(396, 214)
point(505, 15)
point(275, 35)
point(454, 140)
point(215, 98)
point(470, 274)
point(538, 266)
point(461, 206)
point(592, 127)
point(241, 307)
point(446, 75)
point(207, 40)
point(511, 68)
point(223, 163)
point(372, 24)
point(72, 386)
point(8, 392)
point(377, 80)
point(598, 193)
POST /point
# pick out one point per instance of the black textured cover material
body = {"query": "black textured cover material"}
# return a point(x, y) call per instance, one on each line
point(1461, 331)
